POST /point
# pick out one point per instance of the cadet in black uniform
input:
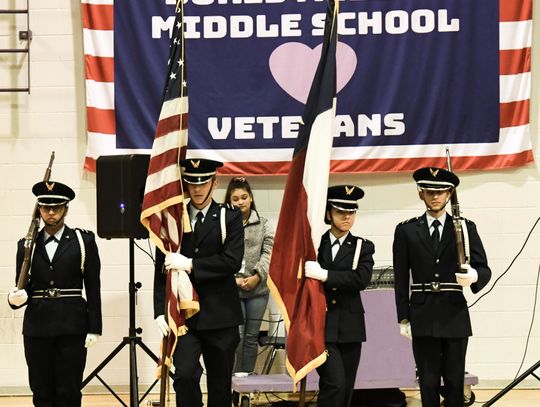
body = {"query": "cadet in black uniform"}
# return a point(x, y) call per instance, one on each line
point(435, 314)
point(211, 255)
point(58, 323)
point(344, 266)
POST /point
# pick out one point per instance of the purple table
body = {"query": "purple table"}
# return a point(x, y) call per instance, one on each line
point(387, 360)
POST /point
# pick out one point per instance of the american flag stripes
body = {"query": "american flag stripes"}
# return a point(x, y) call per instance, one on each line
point(163, 202)
point(98, 37)
point(301, 221)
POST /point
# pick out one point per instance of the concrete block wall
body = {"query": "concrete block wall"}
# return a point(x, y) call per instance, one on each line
point(505, 204)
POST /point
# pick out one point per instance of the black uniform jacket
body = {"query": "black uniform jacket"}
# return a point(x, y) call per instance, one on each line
point(214, 266)
point(437, 314)
point(68, 315)
point(345, 312)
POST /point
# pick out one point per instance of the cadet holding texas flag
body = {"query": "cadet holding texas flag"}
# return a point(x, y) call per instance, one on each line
point(344, 266)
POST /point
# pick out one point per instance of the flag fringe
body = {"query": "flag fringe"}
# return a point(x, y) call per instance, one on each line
point(154, 210)
point(191, 307)
point(148, 212)
point(319, 360)
point(303, 372)
point(279, 301)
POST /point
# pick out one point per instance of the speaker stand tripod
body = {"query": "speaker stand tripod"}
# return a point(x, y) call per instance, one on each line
point(132, 340)
point(514, 384)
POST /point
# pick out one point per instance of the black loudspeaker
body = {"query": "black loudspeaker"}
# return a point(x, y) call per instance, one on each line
point(120, 190)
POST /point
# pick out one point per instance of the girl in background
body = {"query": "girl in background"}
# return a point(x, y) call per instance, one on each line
point(251, 279)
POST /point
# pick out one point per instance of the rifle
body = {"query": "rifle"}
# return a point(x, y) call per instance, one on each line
point(30, 238)
point(456, 220)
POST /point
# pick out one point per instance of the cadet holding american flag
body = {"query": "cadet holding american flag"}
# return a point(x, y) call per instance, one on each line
point(211, 255)
point(200, 247)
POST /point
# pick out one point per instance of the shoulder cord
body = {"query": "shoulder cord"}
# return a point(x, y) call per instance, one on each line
point(466, 245)
point(357, 253)
point(83, 250)
point(223, 225)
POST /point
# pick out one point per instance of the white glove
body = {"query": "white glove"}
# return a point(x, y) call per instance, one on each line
point(90, 340)
point(179, 262)
point(405, 329)
point(163, 326)
point(315, 271)
point(468, 277)
point(17, 297)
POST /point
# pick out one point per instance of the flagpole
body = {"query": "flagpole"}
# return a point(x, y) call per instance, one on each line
point(164, 367)
point(186, 226)
point(302, 400)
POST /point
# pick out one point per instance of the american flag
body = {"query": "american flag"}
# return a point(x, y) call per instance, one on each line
point(163, 205)
point(301, 221)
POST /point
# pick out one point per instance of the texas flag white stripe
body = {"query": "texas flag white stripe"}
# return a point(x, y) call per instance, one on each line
point(316, 168)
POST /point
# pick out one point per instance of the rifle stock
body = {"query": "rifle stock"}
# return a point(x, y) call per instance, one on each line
point(456, 220)
point(30, 238)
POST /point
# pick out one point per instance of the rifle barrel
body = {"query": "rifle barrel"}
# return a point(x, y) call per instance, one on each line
point(456, 219)
point(30, 238)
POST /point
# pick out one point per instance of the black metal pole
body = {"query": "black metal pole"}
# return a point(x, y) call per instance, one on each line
point(514, 384)
point(133, 377)
point(132, 340)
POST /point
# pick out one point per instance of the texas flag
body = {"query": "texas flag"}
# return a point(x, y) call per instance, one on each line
point(302, 300)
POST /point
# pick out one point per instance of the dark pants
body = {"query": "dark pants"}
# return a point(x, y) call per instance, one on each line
point(55, 369)
point(337, 374)
point(436, 358)
point(217, 347)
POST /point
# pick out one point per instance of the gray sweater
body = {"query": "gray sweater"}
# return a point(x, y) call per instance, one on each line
point(258, 242)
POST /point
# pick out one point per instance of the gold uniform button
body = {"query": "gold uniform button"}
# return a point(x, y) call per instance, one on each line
point(437, 261)
point(437, 275)
point(333, 301)
point(196, 250)
point(334, 289)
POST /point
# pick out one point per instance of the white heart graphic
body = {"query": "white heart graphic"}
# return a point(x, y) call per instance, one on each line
point(293, 67)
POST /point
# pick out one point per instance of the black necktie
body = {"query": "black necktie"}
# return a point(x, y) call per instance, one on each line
point(435, 236)
point(198, 223)
point(334, 250)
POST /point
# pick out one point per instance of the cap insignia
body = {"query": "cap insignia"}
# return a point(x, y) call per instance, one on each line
point(50, 187)
point(349, 191)
point(434, 172)
point(195, 163)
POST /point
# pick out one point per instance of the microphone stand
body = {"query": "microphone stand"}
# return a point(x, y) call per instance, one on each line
point(530, 371)
point(132, 340)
